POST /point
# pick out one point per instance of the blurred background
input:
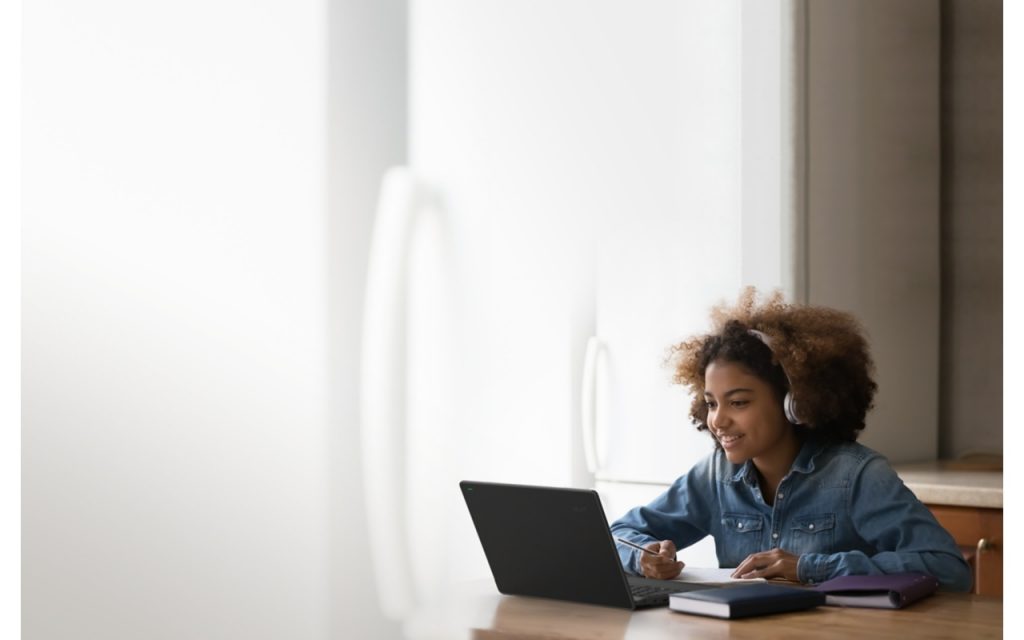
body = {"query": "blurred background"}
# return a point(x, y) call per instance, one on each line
point(290, 270)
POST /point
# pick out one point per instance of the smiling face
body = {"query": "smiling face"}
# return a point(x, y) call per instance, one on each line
point(745, 415)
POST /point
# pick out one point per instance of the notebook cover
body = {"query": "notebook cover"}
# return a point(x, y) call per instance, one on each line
point(749, 600)
point(901, 588)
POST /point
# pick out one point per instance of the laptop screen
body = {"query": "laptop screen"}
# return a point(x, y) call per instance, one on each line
point(547, 542)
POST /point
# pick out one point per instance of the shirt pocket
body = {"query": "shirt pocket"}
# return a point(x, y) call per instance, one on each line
point(813, 533)
point(742, 538)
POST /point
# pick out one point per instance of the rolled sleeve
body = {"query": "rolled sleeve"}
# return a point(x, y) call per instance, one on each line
point(813, 568)
point(682, 514)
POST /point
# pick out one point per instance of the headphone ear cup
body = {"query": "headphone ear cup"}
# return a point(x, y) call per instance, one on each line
point(789, 406)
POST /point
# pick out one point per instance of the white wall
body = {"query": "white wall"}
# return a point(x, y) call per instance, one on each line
point(10, 316)
point(367, 106)
point(179, 439)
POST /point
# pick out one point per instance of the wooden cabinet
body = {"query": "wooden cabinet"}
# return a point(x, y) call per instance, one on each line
point(979, 532)
point(966, 496)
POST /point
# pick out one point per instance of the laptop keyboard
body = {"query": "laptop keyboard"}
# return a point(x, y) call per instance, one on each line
point(651, 595)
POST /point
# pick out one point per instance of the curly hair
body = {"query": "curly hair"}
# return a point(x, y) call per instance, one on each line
point(817, 354)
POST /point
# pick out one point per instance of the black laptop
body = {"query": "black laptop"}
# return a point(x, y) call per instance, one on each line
point(554, 543)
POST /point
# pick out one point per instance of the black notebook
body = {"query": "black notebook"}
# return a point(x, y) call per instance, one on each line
point(745, 601)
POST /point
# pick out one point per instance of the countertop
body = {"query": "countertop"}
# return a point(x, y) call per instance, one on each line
point(950, 483)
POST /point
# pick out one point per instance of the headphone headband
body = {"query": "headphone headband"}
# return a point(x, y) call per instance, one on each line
point(788, 404)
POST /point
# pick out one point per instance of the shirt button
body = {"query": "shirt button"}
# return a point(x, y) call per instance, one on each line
point(775, 535)
point(781, 496)
point(739, 525)
point(810, 526)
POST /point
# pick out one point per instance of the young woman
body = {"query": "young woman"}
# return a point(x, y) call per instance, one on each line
point(788, 492)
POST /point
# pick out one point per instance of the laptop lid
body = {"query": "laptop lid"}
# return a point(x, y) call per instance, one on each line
point(548, 542)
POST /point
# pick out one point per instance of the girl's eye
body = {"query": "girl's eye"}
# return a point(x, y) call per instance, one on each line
point(740, 403)
point(710, 405)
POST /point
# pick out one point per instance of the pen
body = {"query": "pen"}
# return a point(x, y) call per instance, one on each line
point(636, 546)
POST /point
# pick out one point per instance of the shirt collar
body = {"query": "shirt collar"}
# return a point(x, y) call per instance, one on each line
point(804, 463)
point(745, 472)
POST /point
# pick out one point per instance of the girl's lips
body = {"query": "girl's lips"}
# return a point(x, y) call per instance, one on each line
point(729, 441)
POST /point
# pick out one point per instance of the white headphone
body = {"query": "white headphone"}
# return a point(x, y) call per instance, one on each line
point(788, 404)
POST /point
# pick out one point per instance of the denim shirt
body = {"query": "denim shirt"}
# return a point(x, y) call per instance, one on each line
point(841, 508)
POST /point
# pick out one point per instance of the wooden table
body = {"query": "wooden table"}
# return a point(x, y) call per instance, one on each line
point(476, 611)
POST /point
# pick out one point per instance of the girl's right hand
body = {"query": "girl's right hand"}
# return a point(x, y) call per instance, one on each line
point(663, 566)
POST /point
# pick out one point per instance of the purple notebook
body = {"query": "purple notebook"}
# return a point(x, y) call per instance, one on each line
point(891, 591)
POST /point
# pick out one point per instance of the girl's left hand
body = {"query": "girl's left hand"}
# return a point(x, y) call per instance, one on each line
point(769, 564)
